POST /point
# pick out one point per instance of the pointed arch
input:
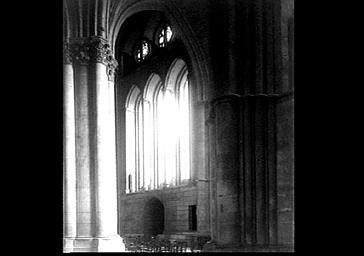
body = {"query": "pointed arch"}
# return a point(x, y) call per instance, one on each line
point(150, 89)
point(132, 97)
point(132, 136)
point(176, 71)
point(200, 66)
point(149, 136)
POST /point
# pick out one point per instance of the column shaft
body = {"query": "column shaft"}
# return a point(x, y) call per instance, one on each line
point(258, 174)
point(212, 178)
point(106, 194)
point(225, 185)
point(69, 164)
point(84, 162)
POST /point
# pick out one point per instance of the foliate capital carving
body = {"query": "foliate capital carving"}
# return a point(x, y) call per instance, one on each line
point(66, 54)
point(83, 51)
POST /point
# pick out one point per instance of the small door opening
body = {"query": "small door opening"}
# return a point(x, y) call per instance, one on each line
point(153, 219)
point(192, 218)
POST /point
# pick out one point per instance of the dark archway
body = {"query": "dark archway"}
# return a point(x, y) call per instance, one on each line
point(153, 217)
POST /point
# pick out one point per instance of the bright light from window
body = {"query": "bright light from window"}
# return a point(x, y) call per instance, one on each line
point(184, 131)
point(145, 49)
point(158, 135)
point(164, 36)
point(148, 145)
point(142, 51)
point(168, 136)
point(168, 33)
point(130, 141)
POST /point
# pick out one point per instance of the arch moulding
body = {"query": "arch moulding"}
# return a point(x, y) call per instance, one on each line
point(200, 64)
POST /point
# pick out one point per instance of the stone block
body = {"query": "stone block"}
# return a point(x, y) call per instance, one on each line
point(285, 232)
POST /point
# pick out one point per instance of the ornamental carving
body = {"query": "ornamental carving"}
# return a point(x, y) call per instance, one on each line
point(66, 54)
point(83, 51)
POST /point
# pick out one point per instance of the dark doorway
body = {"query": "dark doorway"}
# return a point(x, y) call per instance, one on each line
point(192, 218)
point(153, 218)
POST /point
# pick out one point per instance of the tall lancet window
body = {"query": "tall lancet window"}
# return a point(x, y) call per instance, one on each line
point(149, 130)
point(158, 132)
point(167, 136)
point(184, 128)
point(131, 119)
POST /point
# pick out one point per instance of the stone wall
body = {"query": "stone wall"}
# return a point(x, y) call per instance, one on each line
point(175, 202)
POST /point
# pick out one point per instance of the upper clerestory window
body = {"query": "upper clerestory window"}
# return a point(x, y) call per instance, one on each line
point(164, 36)
point(142, 50)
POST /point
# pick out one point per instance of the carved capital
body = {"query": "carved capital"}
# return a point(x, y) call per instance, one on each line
point(67, 54)
point(112, 66)
point(83, 51)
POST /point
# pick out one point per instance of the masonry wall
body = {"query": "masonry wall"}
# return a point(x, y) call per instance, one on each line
point(175, 201)
point(238, 65)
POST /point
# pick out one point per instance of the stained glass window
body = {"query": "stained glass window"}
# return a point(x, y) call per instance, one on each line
point(164, 36)
point(142, 51)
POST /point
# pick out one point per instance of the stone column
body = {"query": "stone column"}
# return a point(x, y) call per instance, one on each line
point(258, 174)
point(69, 161)
point(96, 191)
point(212, 178)
point(224, 176)
point(198, 159)
point(106, 187)
point(259, 85)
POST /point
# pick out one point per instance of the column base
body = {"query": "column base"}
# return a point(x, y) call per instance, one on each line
point(93, 244)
